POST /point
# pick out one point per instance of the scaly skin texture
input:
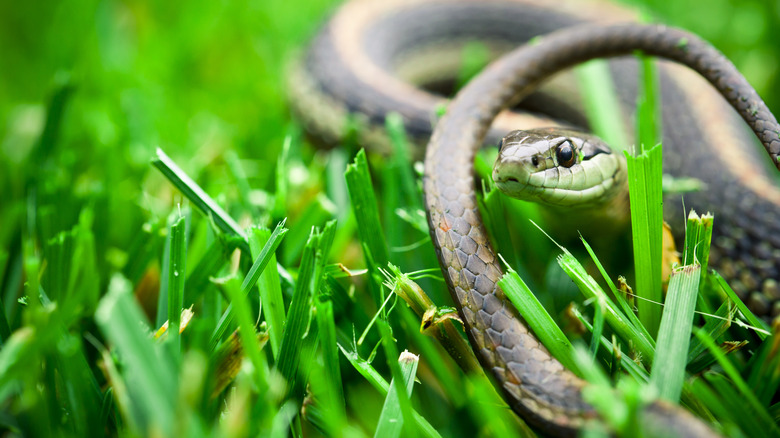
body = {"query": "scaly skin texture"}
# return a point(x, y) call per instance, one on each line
point(533, 382)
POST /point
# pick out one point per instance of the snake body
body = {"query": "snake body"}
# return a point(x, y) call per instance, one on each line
point(351, 68)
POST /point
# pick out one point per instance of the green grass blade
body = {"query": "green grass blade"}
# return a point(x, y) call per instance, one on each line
point(282, 172)
point(625, 308)
point(298, 316)
point(761, 328)
point(251, 278)
point(648, 114)
point(148, 370)
point(601, 103)
point(743, 394)
point(400, 165)
point(192, 191)
point(397, 408)
point(366, 212)
point(537, 318)
point(715, 326)
point(644, 175)
point(364, 204)
point(318, 211)
point(668, 371)
point(265, 256)
point(376, 380)
point(391, 420)
point(764, 377)
point(55, 112)
point(617, 321)
point(333, 394)
point(246, 329)
point(495, 418)
point(176, 270)
point(271, 299)
point(474, 58)
point(212, 260)
point(645, 194)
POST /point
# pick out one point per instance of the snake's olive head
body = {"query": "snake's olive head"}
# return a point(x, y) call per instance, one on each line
point(556, 166)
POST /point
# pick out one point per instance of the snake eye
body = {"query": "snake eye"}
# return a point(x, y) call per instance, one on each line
point(500, 144)
point(565, 154)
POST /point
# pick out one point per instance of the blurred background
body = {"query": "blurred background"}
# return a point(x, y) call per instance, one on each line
point(203, 80)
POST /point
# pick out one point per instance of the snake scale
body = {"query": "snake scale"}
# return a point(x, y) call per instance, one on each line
point(366, 62)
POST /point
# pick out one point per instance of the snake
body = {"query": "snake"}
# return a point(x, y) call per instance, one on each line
point(366, 62)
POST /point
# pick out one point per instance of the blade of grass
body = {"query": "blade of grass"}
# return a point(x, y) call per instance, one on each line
point(537, 317)
point(246, 330)
point(176, 270)
point(55, 111)
point(619, 322)
point(318, 211)
point(764, 377)
point(364, 207)
point(715, 327)
point(602, 106)
point(147, 369)
point(626, 309)
point(210, 263)
point(698, 234)
point(269, 284)
point(728, 406)
point(645, 194)
point(376, 380)
point(756, 413)
point(491, 412)
point(282, 172)
point(442, 329)
point(644, 175)
point(398, 408)
point(668, 371)
point(192, 191)
point(391, 420)
point(333, 394)
point(298, 316)
point(251, 278)
point(648, 114)
point(762, 329)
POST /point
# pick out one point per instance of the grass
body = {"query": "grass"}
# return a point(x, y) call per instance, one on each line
point(294, 333)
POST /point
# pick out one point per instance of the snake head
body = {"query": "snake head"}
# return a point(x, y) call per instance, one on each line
point(558, 167)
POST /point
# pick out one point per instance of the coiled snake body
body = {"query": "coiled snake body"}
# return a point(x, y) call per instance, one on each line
point(357, 65)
